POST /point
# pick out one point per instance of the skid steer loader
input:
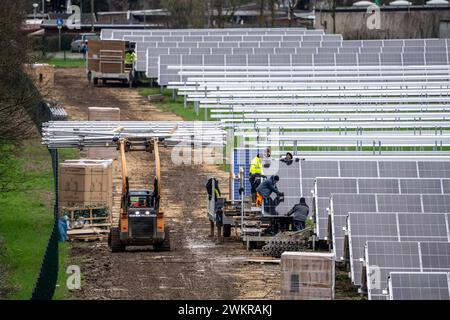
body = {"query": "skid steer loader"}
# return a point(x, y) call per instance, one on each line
point(141, 221)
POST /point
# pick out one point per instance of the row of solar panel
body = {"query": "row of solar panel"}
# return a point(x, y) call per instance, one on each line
point(390, 226)
point(151, 40)
point(302, 174)
point(283, 48)
point(342, 204)
point(167, 75)
point(383, 258)
point(308, 46)
point(108, 34)
point(373, 217)
point(419, 285)
point(153, 55)
point(117, 34)
point(324, 188)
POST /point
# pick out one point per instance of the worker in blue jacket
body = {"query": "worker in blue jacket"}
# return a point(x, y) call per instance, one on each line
point(265, 189)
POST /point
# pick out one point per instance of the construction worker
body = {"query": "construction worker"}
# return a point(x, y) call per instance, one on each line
point(265, 189)
point(288, 159)
point(300, 212)
point(267, 157)
point(217, 193)
point(130, 58)
point(255, 175)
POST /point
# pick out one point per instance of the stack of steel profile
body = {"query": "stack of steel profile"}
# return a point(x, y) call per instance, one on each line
point(57, 111)
point(80, 134)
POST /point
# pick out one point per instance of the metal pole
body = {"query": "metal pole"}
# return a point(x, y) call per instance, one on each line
point(92, 15)
point(145, 14)
point(59, 38)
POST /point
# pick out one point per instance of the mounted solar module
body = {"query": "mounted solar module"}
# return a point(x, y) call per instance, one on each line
point(387, 188)
point(364, 226)
point(419, 286)
point(340, 206)
point(383, 257)
point(390, 226)
point(434, 169)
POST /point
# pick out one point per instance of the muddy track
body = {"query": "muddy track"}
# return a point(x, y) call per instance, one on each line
point(197, 268)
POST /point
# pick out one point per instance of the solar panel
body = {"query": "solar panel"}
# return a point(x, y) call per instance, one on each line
point(342, 204)
point(384, 185)
point(419, 286)
point(434, 169)
point(398, 169)
point(384, 257)
point(388, 189)
point(364, 226)
point(421, 186)
point(382, 226)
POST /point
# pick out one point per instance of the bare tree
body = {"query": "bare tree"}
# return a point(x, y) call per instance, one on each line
point(225, 10)
point(272, 8)
point(18, 96)
point(262, 5)
point(19, 99)
point(292, 4)
point(185, 13)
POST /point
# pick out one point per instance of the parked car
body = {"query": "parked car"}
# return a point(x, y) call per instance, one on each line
point(78, 43)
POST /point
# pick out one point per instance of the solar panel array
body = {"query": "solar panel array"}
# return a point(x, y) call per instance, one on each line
point(325, 187)
point(419, 286)
point(306, 92)
point(342, 204)
point(385, 257)
point(398, 226)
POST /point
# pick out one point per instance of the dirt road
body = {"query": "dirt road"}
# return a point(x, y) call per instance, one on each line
point(197, 268)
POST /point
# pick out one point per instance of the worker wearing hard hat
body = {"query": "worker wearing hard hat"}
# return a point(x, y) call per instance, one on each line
point(255, 175)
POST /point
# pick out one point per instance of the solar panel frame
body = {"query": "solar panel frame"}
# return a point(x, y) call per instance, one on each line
point(419, 286)
point(384, 257)
point(391, 226)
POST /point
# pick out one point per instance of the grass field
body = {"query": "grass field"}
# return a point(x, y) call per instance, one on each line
point(67, 63)
point(176, 106)
point(26, 217)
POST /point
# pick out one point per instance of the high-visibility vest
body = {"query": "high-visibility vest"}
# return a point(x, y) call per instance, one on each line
point(130, 58)
point(256, 166)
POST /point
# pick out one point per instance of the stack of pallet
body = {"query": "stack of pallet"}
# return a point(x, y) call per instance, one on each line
point(103, 114)
point(85, 196)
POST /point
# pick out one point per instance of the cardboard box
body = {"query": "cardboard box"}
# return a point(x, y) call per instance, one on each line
point(103, 114)
point(307, 276)
point(85, 183)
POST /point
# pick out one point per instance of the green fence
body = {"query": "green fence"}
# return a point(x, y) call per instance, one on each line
point(48, 275)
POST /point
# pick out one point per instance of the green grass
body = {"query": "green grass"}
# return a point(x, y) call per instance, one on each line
point(26, 218)
point(176, 106)
point(68, 63)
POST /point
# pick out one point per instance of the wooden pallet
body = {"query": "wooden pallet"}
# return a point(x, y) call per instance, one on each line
point(95, 228)
point(87, 234)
